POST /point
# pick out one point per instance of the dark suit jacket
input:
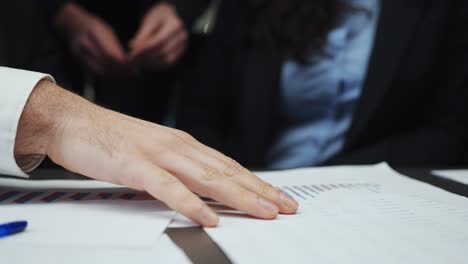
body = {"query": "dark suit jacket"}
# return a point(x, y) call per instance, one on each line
point(412, 109)
point(26, 41)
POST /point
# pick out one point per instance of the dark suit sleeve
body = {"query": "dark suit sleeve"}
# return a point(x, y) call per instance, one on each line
point(428, 146)
point(205, 107)
point(31, 43)
point(443, 138)
point(53, 6)
point(189, 10)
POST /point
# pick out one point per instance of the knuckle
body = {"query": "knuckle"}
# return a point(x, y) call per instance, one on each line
point(186, 201)
point(192, 208)
point(247, 196)
point(231, 168)
point(210, 174)
point(212, 184)
point(171, 139)
point(175, 142)
point(173, 193)
point(184, 135)
point(197, 207)
point(266, 189)
point(186, 197)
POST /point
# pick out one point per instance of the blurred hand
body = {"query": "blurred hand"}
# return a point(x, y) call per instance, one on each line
point(94, 41)
point(167, 163)
point(160, 40)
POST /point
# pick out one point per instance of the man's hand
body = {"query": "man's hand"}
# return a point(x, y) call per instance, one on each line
point(161, 38)
point(93, 40)
point(167, 163)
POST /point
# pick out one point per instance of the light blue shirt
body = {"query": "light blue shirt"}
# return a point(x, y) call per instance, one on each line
point(319, 98)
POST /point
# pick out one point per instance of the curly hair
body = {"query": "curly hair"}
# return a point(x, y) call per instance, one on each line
point(295, 29)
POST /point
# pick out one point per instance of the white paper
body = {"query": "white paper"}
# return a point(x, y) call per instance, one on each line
point(111, 223)
point(454, 175)
point(362, 215)
point(180, 221)
point(91, 231)
point(55, 184)
point(164, 251)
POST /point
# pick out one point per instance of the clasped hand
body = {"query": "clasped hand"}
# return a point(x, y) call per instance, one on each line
point(159, 42)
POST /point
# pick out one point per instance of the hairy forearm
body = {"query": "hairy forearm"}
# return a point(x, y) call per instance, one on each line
point(42, 119)
point(167, 163)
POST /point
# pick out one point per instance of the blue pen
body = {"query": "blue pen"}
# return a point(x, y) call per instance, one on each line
point(12, 228)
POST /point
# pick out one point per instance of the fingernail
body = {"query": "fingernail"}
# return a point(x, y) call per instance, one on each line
point(287, 201)
point(268, 206)
point(209, 217)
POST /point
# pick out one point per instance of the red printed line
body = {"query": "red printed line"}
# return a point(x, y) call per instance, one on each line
point(53, 197)
point(78, 196)
point(28, 197)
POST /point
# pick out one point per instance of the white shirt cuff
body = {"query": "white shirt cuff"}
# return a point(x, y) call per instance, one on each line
point(15, 88)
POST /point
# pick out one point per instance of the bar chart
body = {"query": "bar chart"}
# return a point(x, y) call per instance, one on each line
point(309, 192)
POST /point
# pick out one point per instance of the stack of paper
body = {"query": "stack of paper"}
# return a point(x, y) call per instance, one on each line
point(83, 221)
point(114, 223)
point(363, 214)
point(352, 215)
point(164, 251)
point(460, 176)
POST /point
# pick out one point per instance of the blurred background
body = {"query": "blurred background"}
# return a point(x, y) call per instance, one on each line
point(85, 46)
point(274, 84)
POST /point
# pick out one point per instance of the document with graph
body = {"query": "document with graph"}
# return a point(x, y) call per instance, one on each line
point(352, 214)
point(77, 213)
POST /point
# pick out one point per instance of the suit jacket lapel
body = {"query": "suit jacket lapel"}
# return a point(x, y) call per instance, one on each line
point(17, 32)
point(397, 23)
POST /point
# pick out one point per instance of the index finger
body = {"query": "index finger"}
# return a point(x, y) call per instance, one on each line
point(166, 32)
point(147, 28)
point(167, 188)
point(250, 181)
point(239, 174)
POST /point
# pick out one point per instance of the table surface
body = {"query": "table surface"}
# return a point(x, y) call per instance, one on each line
point(199, 247)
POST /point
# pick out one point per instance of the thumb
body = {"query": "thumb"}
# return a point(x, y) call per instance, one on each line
point(146, 30)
